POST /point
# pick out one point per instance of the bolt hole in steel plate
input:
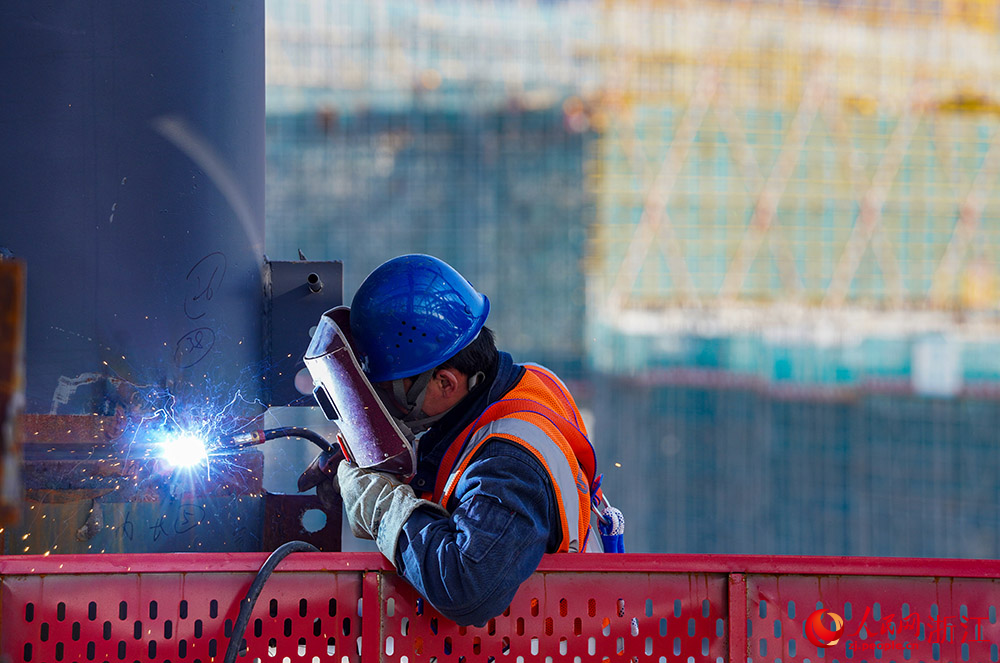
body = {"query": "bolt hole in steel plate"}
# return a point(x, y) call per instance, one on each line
point(313, 520)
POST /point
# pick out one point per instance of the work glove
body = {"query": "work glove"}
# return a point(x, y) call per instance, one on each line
point(377, 505)
point(322, 475)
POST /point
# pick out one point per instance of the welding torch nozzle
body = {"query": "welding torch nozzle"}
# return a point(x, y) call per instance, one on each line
point(241, 440)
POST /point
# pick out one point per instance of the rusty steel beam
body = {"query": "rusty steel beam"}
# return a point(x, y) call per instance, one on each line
point(12, 288)
point(93, 484)
point(74, 457)
point(62, 429)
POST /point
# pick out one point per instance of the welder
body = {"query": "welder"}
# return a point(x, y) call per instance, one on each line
point(504, 471)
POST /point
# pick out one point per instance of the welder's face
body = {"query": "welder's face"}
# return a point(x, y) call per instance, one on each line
point(388, 398)
point(435, 402)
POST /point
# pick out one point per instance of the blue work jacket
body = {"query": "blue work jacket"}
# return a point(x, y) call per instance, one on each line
point(504, 516)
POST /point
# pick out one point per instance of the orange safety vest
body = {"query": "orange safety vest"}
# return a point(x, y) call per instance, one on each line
point(540, 415)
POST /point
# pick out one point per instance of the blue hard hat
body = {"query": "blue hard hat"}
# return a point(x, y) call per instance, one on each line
point(412, 314)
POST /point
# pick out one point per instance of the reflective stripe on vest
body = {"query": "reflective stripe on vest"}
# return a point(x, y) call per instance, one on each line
point(535, 411)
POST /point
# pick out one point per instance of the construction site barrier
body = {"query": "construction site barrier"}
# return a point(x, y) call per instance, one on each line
point(180, 607)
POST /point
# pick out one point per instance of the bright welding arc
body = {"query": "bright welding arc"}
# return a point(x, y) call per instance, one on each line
point(183, 450)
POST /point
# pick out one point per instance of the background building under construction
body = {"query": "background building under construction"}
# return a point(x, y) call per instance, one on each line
point(761, 239)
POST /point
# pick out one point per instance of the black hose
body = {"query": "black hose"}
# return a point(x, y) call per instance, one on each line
point(246, 606)
point(304, 433)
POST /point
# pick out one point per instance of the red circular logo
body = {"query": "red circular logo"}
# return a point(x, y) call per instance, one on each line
point(820, 635)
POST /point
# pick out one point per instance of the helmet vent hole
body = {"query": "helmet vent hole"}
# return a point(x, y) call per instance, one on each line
point(411, 340)
point(397, 345)
point(400, 333)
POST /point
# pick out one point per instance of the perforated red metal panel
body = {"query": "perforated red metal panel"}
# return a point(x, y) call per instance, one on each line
point(569, 615)
point(885, 619)
point(333, 606)
point(137, 616)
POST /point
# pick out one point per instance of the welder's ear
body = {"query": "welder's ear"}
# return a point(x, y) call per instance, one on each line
point(448, 380)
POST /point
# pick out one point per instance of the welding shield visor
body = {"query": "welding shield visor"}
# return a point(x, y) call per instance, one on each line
point(369, 434)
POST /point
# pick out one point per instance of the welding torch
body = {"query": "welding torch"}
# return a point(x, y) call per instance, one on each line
point(255, 437)
point(187, 449)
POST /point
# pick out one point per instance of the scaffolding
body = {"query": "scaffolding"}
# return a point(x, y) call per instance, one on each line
point(764, 165)
point(391, 55)
point(798, 153)
point(443, 128)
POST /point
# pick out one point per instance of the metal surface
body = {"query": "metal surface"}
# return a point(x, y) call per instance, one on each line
point(297, 293)
point(576, 607)
point(12, 274)
point(134, 190)
point(166, 617)
point(285, 520)
point(560, 614)
point(93, 486)
point(891, 618)
point(75, 457)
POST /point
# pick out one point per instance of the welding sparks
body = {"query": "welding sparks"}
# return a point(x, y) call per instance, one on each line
point(184, 437)
point(183, 450)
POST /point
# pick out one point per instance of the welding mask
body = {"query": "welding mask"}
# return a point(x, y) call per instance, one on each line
point(370, 436)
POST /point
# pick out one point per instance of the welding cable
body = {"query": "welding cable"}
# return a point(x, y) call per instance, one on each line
point(261, 436)
point(246, 607)
point(304, 433)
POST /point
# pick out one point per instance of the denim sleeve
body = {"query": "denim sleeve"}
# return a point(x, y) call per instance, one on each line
point(469, 566)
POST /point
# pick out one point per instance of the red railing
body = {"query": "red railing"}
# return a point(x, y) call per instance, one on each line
point(179, 607)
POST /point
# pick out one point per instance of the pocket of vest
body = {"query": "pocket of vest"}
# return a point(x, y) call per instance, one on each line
point(480, 525)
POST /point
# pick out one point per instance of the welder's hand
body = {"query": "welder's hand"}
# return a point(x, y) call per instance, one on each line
point(377, 505)
point(322, 474)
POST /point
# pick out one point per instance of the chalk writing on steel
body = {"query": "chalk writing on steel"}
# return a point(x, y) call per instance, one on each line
point(193, 347)
point(190, 516)
point(202, 281)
